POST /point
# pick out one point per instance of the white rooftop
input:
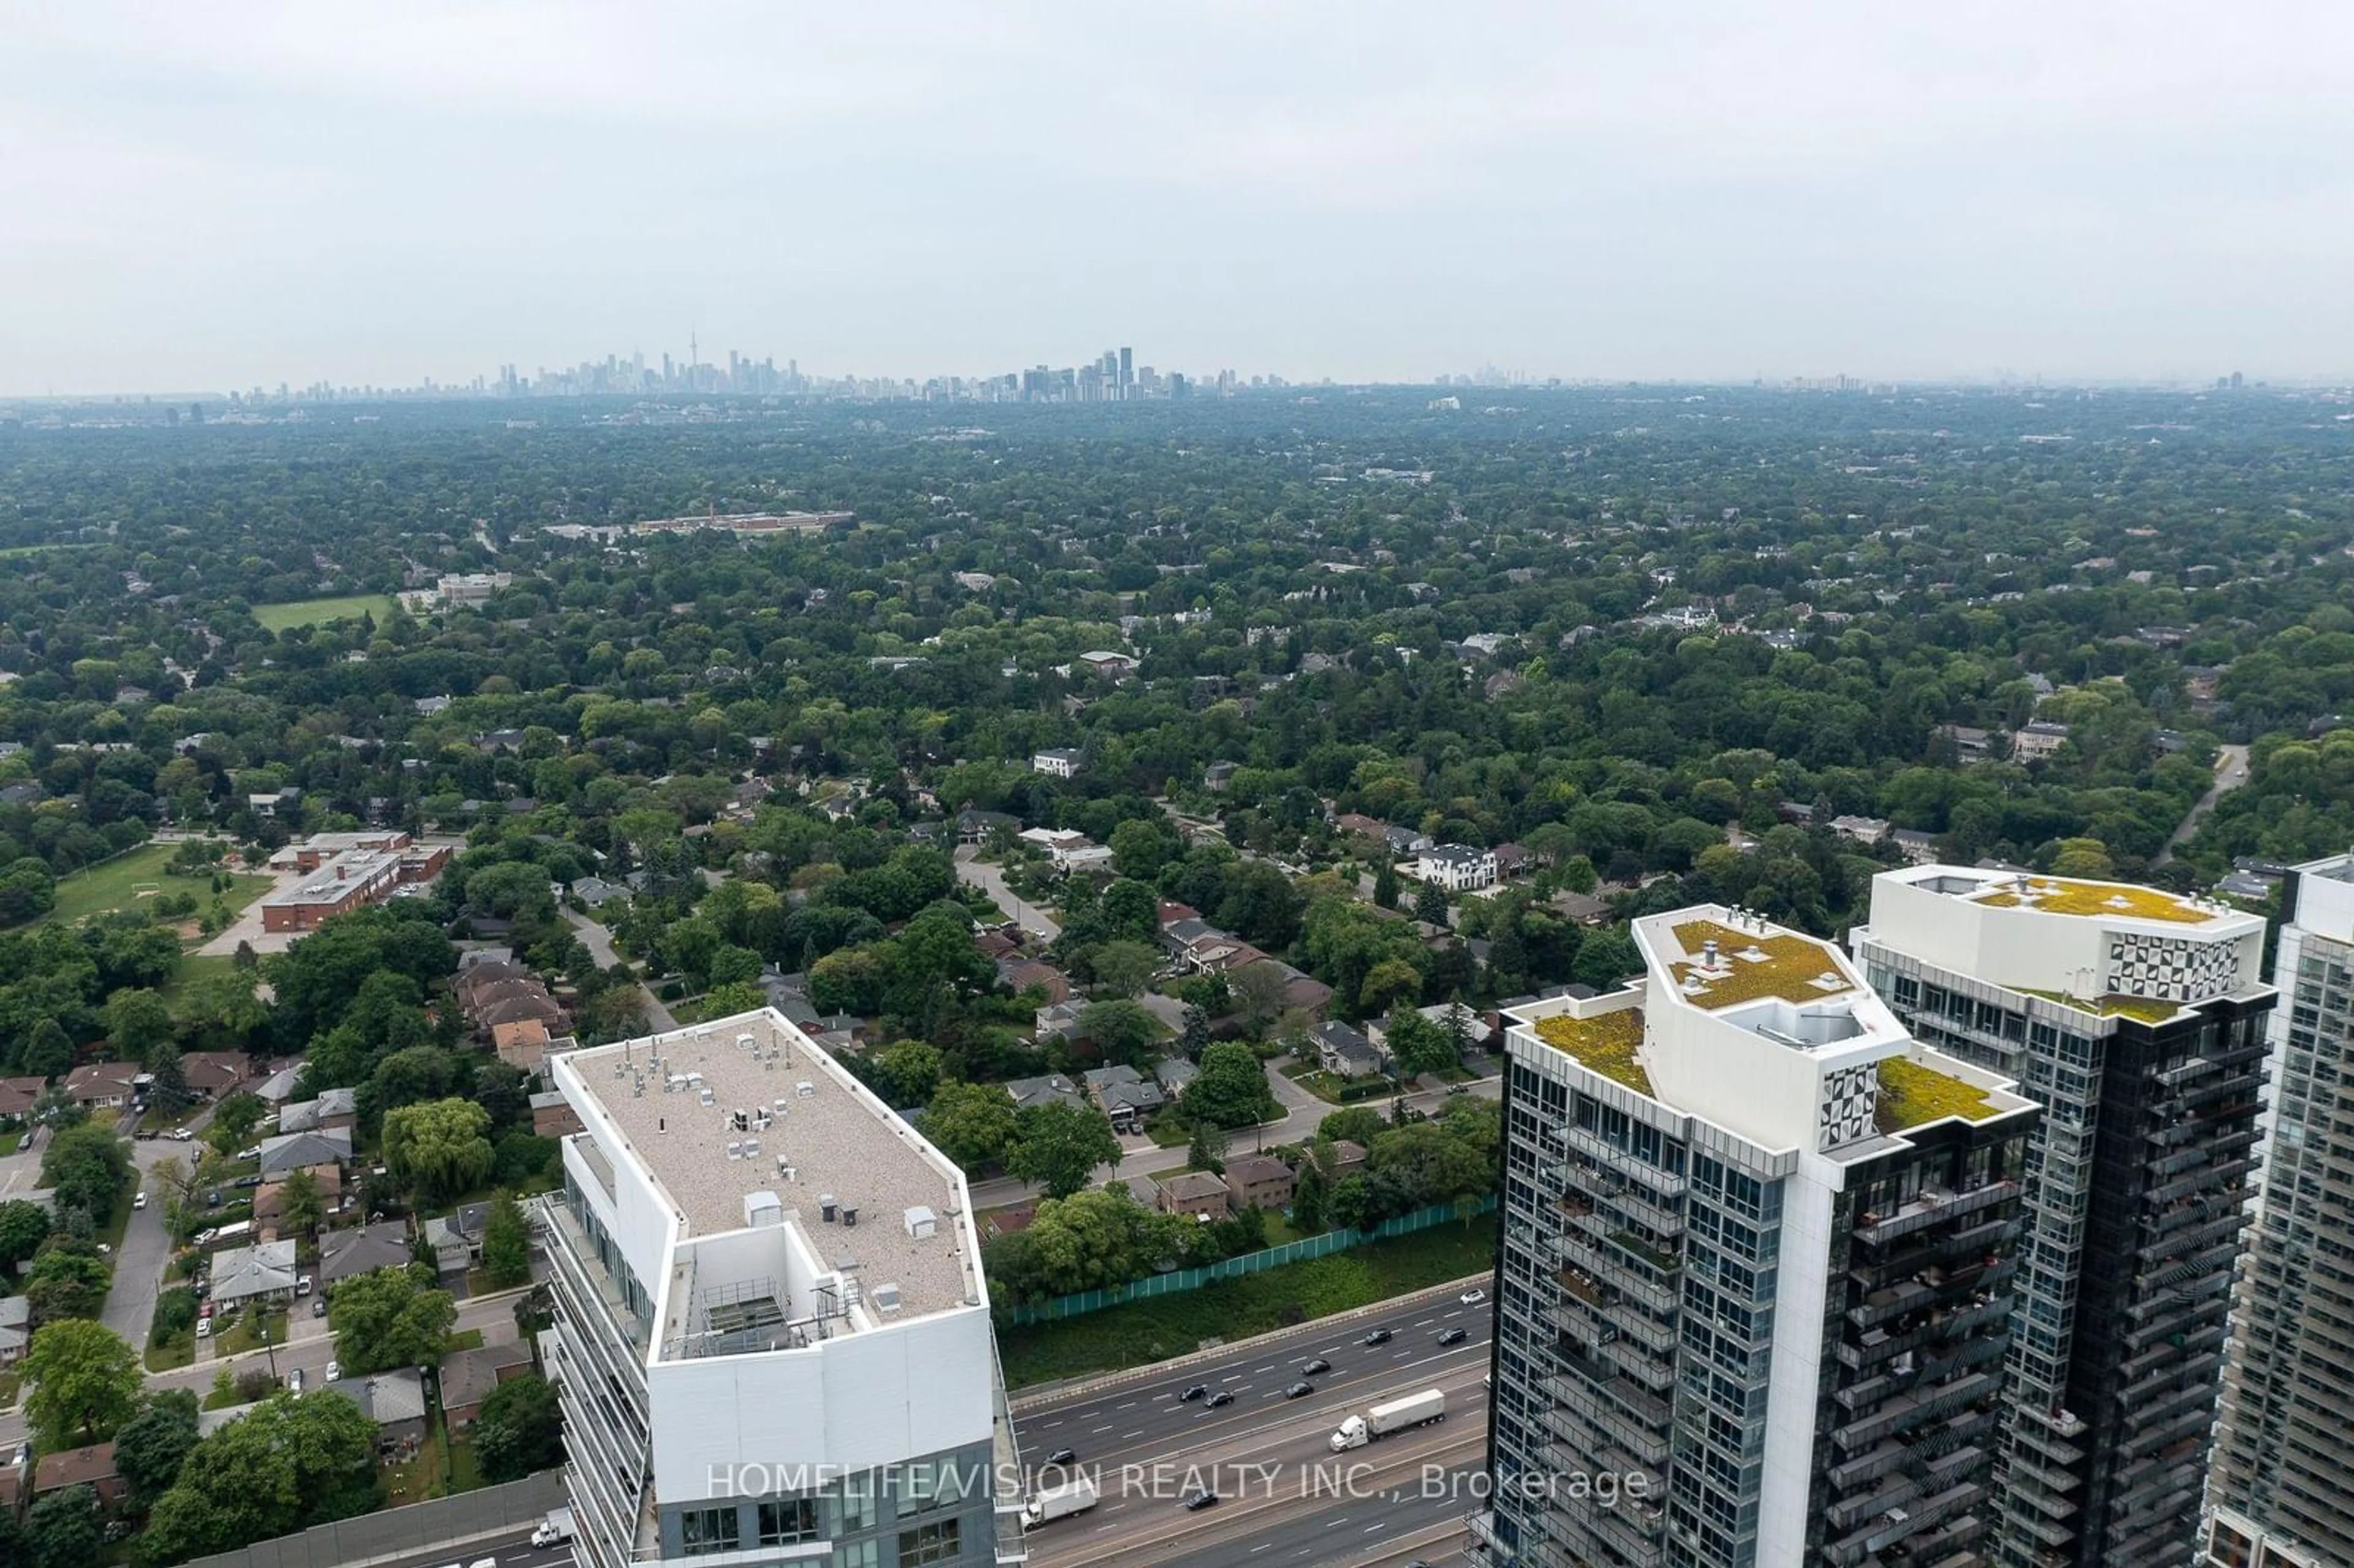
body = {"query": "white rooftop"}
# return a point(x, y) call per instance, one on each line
point(746, 1126)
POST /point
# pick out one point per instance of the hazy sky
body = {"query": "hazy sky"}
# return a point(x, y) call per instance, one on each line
point(206, 195)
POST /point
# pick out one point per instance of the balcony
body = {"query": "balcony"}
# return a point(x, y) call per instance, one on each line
point(1620, 1164)
point(1932, 1208)
point(1912, 1409)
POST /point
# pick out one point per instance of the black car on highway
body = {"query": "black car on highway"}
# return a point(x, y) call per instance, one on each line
point(1063, 1457)
point(1319, 1365)
point(1378, 1337)
point(1300, 1390)
point(1219, 1398)
point(1453, 1337)
point(1199, 1391)
point(1200, 1500)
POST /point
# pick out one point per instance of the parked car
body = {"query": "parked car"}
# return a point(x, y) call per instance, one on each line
point(205, 1328)
point(246, 1181)
point(318, 1306)
point(294, 1381)
point(334, 1371)
point(1319, 1365)
point(139, 1200)
point(181, 1135)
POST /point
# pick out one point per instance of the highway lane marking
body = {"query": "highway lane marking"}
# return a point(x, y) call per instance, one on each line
point(1267, 1369)
point(1424, 1322)
point(1105, 1428)
point(1129, 1405)
point(1126, 1435)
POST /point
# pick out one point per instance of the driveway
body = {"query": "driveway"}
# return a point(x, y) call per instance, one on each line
point(979, 874)
point(599, 943)
point(146, 1249)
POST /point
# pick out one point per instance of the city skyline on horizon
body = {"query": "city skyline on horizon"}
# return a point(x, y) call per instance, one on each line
point(267, 192)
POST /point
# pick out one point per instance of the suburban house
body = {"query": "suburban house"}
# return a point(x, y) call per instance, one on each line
point(1052, 1089)
point(1405, 841)
point(279, 1086)
point(973, 826)
point(1173, 1073)
point(1200, 1193)
point(1057, 762)
point(101, 1086)
point(16, 1328)
point(521, 1042)
point(469, 1376)
point(1111, 666)
point(1258, 1182)
point(595, 892)
point(1918, 848)
point(1458, 868)
point(18, 1096)
point(293, 1150)
point(333, 1108)
point(1218, 775)
point(1865, 830)
point(1356, 824)
point(1068, 851)
point(2038, 739)
point(456, 1240)
point(1020, 974)
point(1058, 1019)
point(212, 1074)
point(1344, 1053)
point(1450, 1016)
point(270, 1198)
point(1126, 1096)
point(395, 1401)
point(1347, 1155)
point(552, 1115)
point(92, 1467)
point(264, 1271)
point(363, 1249)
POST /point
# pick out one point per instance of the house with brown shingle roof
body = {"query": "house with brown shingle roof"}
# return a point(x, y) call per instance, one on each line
point(469, 1376)
point(17, 1094)
point(213, 1074)
point(99, 1085)
point(1192, 1194)
point(92, 1467)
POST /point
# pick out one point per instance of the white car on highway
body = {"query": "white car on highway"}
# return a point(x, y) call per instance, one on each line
point(1473, 1297)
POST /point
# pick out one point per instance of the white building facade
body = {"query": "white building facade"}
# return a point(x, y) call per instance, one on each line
point(773, 1335)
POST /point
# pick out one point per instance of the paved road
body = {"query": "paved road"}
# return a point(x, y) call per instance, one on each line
point(511, 1549)
point(1032, 917)
point(2231, 772)
point(147, 1247)
point(1286, 1496)
point(599, 943)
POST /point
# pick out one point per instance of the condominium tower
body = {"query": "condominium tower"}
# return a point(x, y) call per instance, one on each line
point(2136, 1019)
point(772, 1334)
point(1754, 1285)
point(2280, 1494)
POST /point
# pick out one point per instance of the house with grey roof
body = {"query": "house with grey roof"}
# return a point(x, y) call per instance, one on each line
point(395, 1401)
point(333, 1108)
point(1052, 1089)
point(363, 1249)
point(264, 1271)
point(1126, 1096)
point(292, 1150)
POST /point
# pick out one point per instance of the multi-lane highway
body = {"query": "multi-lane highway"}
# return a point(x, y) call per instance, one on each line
point(1285, 1497)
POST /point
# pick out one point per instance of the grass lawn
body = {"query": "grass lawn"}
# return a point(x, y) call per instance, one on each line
point(466, 1340)
point(117, 1220)
point(243, 1335)
point(316, 611)
point(1337, 1091)
point(1166, 1326)
point(18, 552)
point(193, 967)
point(176, 1351)
point(1166, 1134)
point(11, 1385)
point(10, 1139)
point(115, 884)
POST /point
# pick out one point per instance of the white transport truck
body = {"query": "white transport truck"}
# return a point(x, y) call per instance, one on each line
point(555, 1529)
point(1075, 1496)
point(1412, 1410)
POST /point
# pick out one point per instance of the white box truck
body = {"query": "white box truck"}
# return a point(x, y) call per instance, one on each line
point(555, 1529)
point(1075, 1496)
point(1413, 1410)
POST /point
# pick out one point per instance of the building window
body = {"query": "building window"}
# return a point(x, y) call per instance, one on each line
point(918, 1488)
point(703, 1530)
point(940, 1542)
point(858, 1555)
point(790, 1523)
point(856, 1502)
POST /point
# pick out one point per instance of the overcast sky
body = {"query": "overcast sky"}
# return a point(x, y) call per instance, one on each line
point(211, 195)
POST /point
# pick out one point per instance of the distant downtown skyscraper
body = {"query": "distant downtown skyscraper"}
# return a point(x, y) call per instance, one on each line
point(2136, 1019)
point(2281, 1493)
point(1757, 1250)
